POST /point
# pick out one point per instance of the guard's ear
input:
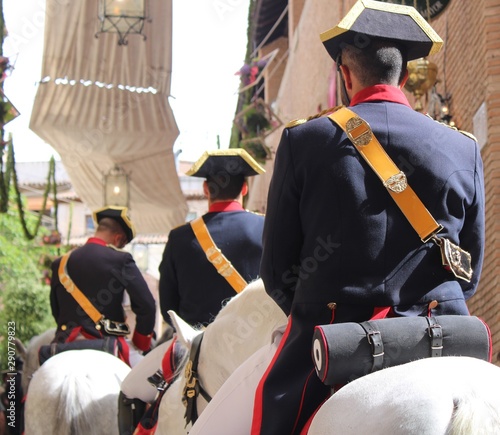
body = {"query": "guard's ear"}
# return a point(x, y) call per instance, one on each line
point(403, 80)
point(206, 190)
point(185, 332)
point(346, 75)
point(244, 188)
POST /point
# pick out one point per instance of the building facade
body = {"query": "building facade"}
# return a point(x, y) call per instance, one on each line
point(301, 82)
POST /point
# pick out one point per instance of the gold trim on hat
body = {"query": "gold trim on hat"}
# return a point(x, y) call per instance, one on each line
point(347, 22)
point(228, 152)
point(123, 215)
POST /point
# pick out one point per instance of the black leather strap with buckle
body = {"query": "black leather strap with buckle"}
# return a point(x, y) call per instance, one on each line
point(375, 339)
point(436, 335)
point(193, 388)
point(115, 328)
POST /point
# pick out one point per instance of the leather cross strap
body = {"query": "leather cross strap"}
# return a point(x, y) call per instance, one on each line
point(360, 134)
point(74, 291)
point(216, 257)
point(375, 339)
point(436, 335)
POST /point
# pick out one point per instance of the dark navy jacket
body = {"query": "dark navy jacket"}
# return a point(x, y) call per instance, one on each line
point(103, 274)
point(333, 233)
point(189, 284)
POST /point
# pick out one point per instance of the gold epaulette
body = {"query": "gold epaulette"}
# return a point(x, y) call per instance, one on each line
point(300, 121)
point(469, 135)
point(109, 245)
point(465, 133)
point(255, 212)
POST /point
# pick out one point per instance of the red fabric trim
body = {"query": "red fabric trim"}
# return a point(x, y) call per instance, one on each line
point(141, 430)
point(305, 429)
point(490, 341)
point(225, 206)
point(380, 93)
point(380, 313)
point(73, 334)
point(257, 414)
point(142, 342)
point(327, 360)
point(167, 363)
point(97, 241)
point(302, 400)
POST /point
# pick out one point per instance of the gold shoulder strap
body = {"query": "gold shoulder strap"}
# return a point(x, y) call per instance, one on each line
point(74, 291)
point(454, 258)
point(360, 134)
point(216, 257)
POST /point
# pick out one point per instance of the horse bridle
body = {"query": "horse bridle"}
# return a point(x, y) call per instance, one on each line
point(193, 387)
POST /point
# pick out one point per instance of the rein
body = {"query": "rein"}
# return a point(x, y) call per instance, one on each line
point(193, 387)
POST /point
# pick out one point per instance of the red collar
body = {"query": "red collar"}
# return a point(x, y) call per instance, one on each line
point(380, 93)
point(97, 241)
point(225, 206)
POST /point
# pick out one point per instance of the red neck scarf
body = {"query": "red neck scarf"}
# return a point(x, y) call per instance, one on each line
point(225, 206)
point(380, 93)
point(97, 241)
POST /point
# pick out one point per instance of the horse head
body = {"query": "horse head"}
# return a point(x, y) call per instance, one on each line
point(243, 326)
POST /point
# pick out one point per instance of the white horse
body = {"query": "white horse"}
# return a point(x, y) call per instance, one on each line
point(30, 357)
point(75, 392)
point(429, 396)
point(241, 328)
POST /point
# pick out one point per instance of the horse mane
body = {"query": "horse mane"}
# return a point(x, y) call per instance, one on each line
point(242, 327)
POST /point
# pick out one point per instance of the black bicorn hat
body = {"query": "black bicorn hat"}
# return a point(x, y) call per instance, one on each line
point(370, 19)
point(232, 162)
point(119, 214)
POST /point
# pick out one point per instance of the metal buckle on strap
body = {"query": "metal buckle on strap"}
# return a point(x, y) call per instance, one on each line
point(374, 338)
point(214, 255)
point(397, 183)
point(454, 258)
point(436, 334)
point(358, 131)
point(114, 328)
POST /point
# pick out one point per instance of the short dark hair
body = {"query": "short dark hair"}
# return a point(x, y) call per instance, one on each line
point(110, 225)
point(380, 62)
point(224, 186)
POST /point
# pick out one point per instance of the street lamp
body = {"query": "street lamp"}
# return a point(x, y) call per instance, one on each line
point(124, 17)
point(116, 187)
point(422, 76)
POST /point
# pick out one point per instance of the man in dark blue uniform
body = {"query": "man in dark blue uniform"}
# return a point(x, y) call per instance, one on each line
point(192, 281)
point(336, 247)
point(102, 271)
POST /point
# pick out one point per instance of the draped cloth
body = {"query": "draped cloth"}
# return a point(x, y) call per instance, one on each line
point(99, 104)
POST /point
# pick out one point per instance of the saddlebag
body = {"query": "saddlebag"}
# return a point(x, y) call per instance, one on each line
point(343, 352)
point(106, 344)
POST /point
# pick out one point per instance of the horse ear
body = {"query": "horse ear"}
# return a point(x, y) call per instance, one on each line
point(185, 332)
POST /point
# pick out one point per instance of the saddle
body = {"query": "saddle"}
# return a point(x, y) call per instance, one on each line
point(105, 344)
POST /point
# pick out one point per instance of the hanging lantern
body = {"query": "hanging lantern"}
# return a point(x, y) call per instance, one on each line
point(124, 17)
point(116, 187)
point(422, 76)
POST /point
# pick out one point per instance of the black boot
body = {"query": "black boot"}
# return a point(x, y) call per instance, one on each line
point(130, 412)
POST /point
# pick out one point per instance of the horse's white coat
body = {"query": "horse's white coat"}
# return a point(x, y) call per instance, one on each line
point(136, 385)
point(75, 392)
point(241, 328)
point(31, 363)
point(432, 396)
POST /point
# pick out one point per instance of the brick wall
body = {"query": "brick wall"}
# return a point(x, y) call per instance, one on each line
point(469, 70)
